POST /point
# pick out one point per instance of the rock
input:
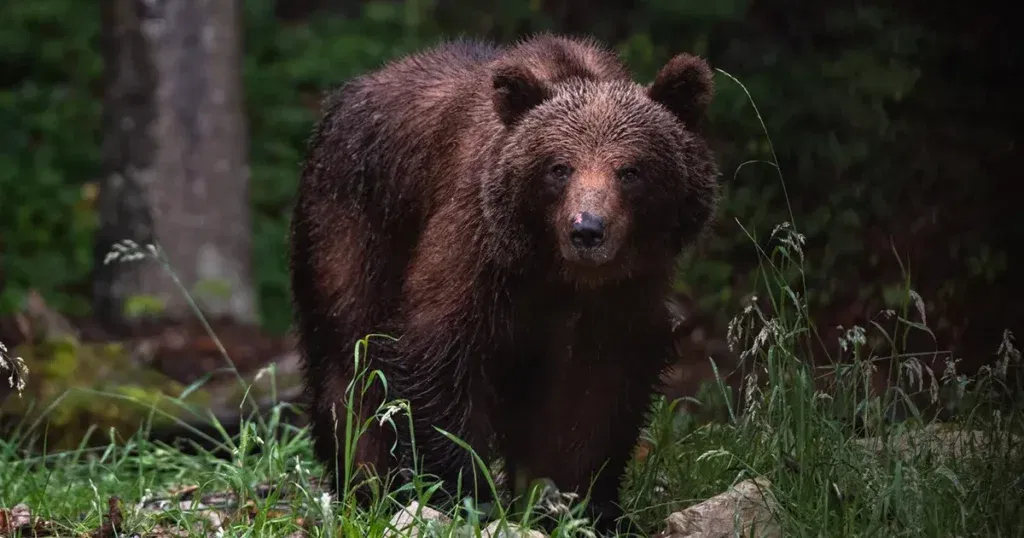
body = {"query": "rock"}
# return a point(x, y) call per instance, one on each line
point(40, 322)
point(21, 516)
point(497, 529)
point(406, 522)
point(943, 441)
point(746, 507)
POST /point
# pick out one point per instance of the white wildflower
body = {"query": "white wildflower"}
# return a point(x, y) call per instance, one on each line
point(127, 250)
point(390, 411)
point(16, 365)
point(853, 337)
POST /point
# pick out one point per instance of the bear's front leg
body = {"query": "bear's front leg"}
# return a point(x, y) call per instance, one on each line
point(443, 394)
point(447, 338)
point(586, 421)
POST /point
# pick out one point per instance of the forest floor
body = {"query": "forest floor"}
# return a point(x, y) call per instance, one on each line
point(836, 462)
point(265, 482)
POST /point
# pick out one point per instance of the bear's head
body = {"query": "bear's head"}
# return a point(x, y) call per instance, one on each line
point(604, 179)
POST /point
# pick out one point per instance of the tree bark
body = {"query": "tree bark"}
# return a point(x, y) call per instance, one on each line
point(175, 158)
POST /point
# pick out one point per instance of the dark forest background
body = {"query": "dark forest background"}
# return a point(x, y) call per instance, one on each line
point(896, 125)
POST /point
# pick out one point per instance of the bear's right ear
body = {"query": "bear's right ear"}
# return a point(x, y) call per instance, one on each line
point(516, 91)
point(684, 86)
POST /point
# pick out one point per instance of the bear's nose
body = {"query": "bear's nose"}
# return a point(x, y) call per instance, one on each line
point(587, 230)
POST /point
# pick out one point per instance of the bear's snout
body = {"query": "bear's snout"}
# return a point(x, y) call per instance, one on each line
point(587, 230)
point(590, 222)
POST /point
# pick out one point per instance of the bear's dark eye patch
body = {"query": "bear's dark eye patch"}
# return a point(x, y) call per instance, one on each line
point(629, 174)
point(559, 172)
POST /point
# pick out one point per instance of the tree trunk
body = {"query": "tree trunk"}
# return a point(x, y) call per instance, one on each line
point(175, 159)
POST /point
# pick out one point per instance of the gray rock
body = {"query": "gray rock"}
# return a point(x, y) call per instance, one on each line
point(743, 510)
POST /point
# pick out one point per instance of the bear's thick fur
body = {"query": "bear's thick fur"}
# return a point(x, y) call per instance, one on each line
point(512, 215)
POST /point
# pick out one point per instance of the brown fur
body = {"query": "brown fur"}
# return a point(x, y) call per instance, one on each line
point(428, 210)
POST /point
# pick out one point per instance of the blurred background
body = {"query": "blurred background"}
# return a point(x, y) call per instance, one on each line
point(183, 122)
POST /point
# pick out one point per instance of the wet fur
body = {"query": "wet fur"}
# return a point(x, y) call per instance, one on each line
point(420, 215)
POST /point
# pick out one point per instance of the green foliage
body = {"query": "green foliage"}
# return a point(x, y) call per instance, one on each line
point(137, 306)
point(49, 151)
point(826, 93)
point(287, 71)
point(826, 83)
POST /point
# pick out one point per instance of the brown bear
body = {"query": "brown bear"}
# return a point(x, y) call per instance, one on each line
point(512, 215)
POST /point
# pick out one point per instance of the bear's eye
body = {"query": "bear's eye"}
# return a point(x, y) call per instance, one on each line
point(629, 175)
point(560, 171)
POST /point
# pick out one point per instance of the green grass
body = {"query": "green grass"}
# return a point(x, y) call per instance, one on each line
point(799, 429)
point(826, 484)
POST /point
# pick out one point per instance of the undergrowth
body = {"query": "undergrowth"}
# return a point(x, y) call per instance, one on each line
point(800, 426)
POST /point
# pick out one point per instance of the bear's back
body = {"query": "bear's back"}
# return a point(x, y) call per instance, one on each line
point(412, 95)
point(448, 70)
point(407, 128)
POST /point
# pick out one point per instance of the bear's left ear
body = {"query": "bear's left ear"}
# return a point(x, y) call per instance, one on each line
point(685, 86)
point(516, 91)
